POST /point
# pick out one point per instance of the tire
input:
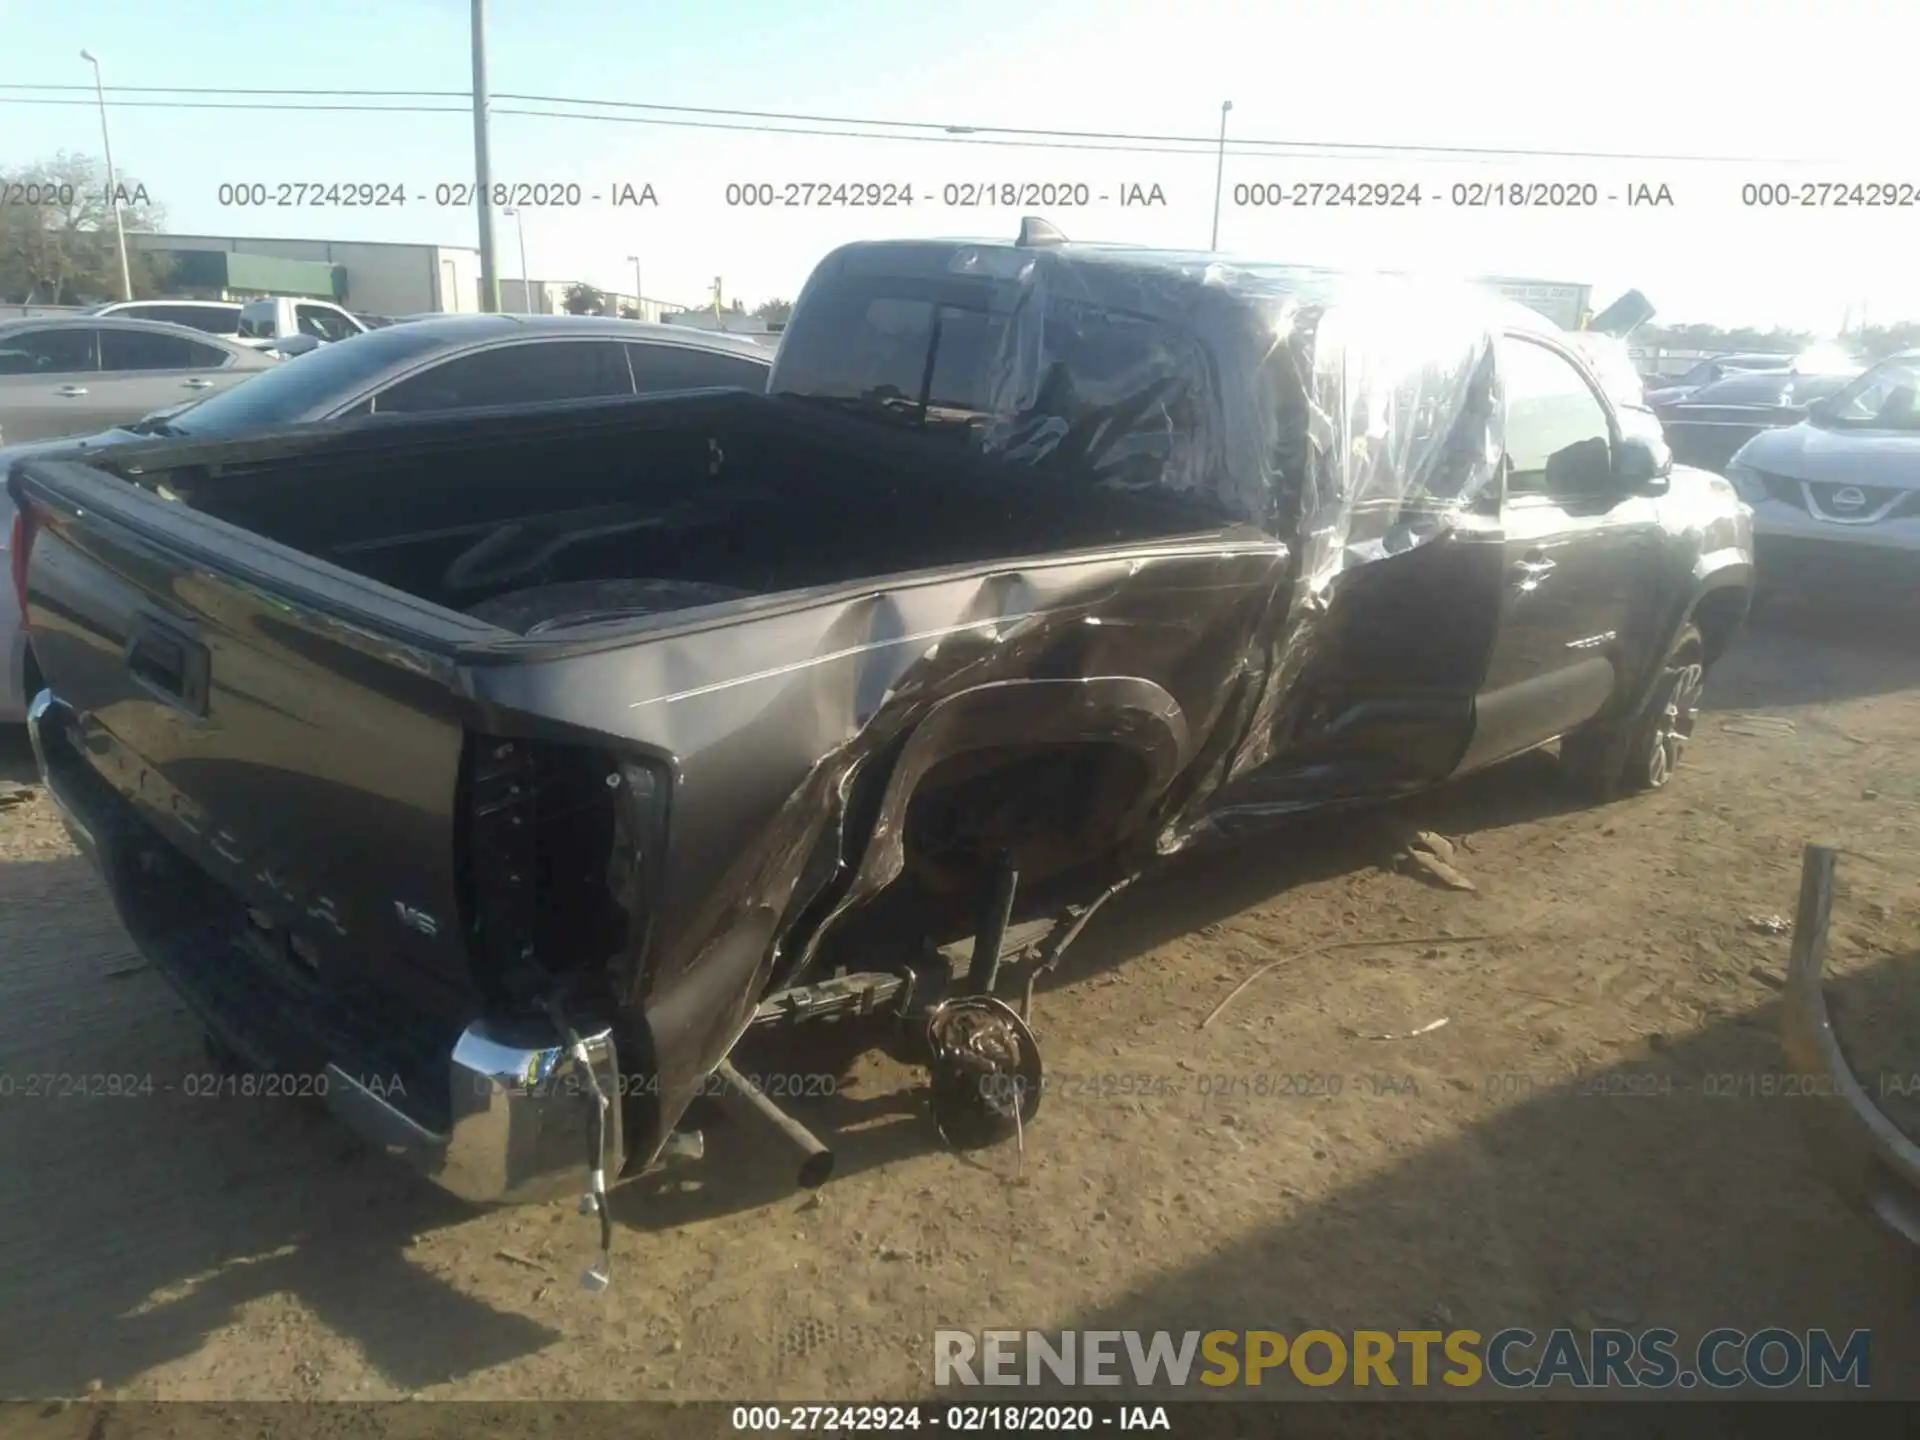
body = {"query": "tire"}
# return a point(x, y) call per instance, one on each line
point(1642, 753)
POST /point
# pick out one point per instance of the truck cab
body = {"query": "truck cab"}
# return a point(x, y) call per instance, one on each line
point(276, 318)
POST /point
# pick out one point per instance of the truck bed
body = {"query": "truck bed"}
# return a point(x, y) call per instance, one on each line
point(276, 654)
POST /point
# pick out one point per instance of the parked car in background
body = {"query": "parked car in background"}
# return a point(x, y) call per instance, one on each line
point(1706, 427)
point(213, 317)
point(1713, 370)
point(279, 317)
point(442, 363)
point(81, 374)
point(1612, 365)
point(1836, 497)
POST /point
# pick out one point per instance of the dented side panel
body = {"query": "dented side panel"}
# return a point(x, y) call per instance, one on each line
point(764, 723)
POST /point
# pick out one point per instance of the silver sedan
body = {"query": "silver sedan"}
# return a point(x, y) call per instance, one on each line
point(75, 375)
point(429, 366)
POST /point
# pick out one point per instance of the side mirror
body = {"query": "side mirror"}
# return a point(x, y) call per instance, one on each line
point(1642, 464)
point(1581, 469)
point(1818, 409)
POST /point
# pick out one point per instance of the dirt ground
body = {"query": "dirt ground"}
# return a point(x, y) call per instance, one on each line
point(1589, 1139)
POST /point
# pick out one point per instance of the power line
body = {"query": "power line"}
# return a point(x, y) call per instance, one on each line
point(921, 131)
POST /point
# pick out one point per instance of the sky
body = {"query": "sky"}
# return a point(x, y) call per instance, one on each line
point(1806, 96)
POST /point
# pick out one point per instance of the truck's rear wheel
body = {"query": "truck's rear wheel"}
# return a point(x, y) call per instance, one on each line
point(1642, 753)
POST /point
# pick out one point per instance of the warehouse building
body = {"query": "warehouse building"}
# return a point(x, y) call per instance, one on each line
point(374, 277)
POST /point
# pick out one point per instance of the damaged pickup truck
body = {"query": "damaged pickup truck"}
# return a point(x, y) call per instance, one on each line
point(537, 758)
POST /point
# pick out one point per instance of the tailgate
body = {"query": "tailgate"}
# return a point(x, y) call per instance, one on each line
point(294, 731)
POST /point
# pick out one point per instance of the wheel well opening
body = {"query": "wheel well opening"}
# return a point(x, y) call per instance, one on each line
point(1718, 616)
point(1051, 808)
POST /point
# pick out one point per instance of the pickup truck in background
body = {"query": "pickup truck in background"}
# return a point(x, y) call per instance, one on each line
point(597, 737)
point(275, 320)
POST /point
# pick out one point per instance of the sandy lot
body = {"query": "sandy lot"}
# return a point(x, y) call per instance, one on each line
point(1585, 1142)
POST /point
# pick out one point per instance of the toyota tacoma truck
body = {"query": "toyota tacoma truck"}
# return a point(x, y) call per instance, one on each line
point(508, 772)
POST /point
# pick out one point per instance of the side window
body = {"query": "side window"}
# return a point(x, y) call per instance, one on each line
point(49, 352)
point(686, 367)
point(322, 323)
point(210, 318)
point(1558, 439)
point(523, 374)
point(145, 350)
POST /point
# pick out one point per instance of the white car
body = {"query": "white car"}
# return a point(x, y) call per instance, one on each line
point(212, 317)
point(1836, 498)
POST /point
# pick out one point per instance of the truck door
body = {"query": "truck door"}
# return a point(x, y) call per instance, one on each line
point(1581, 553)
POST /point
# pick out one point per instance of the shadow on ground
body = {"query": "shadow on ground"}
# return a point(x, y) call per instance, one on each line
point(1553, 1193)
point(1797, 652)
point(16, 756)
point(239, 1199)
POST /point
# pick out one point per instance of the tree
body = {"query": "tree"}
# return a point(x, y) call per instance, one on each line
point(57, 240)
point(1879, 341)
point(774, 312)
point(584, 299)
point(1872, 341)
point(1714, 338)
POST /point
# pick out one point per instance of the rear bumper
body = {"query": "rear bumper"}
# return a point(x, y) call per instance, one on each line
point(496, 1118)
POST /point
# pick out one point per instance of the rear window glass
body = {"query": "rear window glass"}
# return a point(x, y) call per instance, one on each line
point(302, 389)
point(1098, 391)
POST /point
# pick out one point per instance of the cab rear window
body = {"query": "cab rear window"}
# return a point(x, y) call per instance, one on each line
point(1056, 382)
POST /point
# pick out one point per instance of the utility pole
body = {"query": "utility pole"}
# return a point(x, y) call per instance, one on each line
point(483, 164)
point(1219, 172)
point(716, 297)
point(113, 188)
point(639, 300)
point(526, 285)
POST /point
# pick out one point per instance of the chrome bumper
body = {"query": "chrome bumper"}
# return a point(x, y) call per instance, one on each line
point(520, 1125)
point(1858, 1150)
point(39, 710)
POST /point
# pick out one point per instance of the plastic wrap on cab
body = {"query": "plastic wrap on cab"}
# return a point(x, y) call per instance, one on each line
point(1348, 416)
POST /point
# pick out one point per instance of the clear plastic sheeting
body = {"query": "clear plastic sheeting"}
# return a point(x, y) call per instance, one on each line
point(1347, 416)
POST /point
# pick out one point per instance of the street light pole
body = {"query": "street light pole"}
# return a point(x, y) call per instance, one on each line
point(113, 193)
point(1219, 173)
point(639, 300)
point(483, 164)
point(526, 291)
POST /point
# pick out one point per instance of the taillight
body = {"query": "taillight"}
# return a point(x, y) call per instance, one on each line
point(559, 848)
point(22, 542)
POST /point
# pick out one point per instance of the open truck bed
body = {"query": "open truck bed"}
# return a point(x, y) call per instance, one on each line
point(363, 827)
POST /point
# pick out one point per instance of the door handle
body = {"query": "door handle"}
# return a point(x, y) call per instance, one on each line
point(170, 666)
point(197, 384)
point(71, 392)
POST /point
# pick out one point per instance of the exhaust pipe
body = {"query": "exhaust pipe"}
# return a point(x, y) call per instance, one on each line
point(743, 1098)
